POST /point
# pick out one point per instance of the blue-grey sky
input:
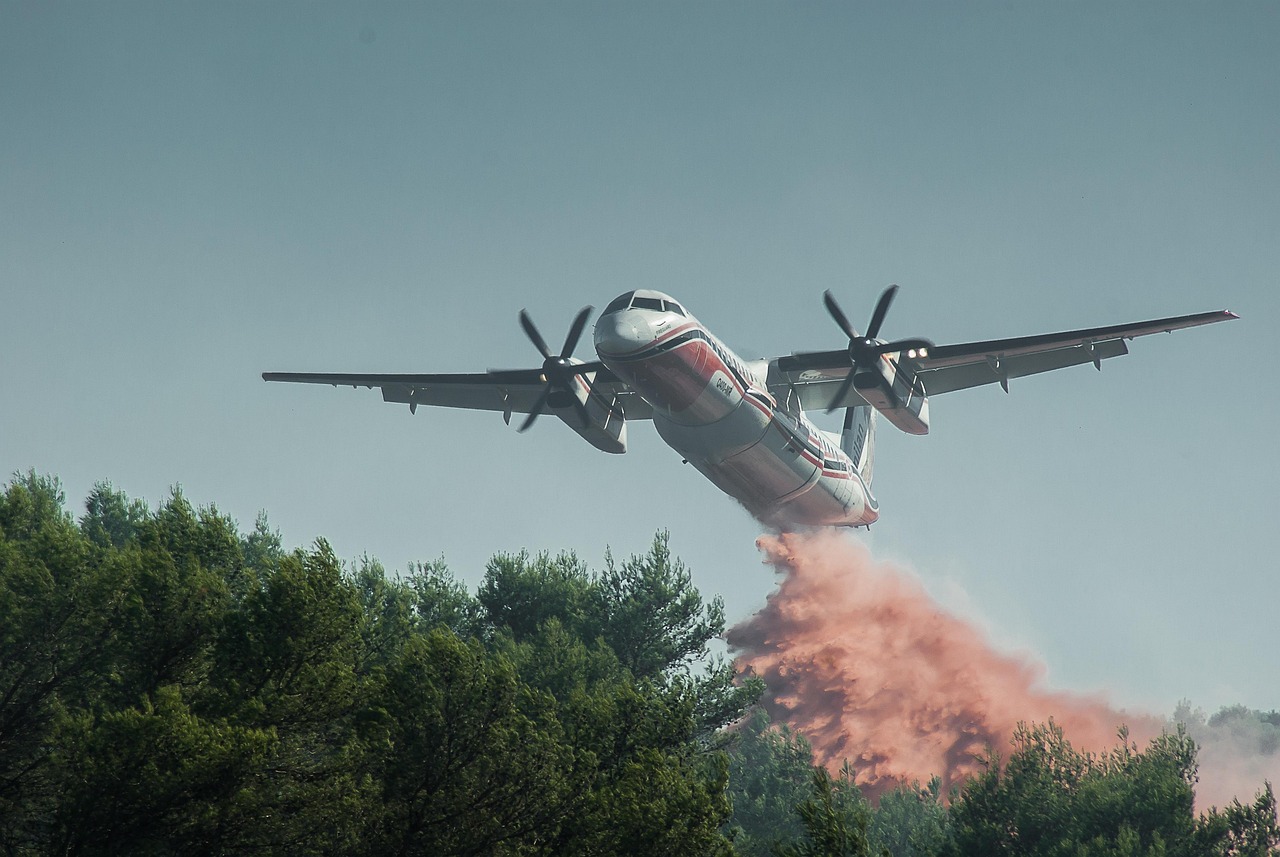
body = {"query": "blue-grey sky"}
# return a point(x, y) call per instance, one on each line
point(193, 193)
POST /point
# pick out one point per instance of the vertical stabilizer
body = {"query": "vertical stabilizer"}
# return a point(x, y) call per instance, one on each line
point(858, 439)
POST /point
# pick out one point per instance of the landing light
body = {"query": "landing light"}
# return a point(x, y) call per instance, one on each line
point(921, 352)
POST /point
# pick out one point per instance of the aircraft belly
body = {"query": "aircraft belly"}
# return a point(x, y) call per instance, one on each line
point(780, 487)
point(711, 443)
point(768, 471)
point(830, 501)
point(744, 454)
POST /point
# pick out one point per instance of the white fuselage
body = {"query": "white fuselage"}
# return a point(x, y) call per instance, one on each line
point(714, 409)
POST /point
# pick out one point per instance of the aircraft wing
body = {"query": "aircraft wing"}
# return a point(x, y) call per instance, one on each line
point(506, 391)
point(816, 376)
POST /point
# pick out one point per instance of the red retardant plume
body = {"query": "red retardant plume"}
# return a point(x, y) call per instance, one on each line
point(864, 663)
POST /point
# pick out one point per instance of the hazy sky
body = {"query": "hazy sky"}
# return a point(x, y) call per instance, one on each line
point(193, 193)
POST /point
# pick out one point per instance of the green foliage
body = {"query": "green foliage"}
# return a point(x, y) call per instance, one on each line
point(169, 684)
point(58, 612)
point(520, 595)
point(1242, 830)
point(835, 819)
point(645, 612)
point(261, 548)
point(770, 774)
point(480, 759)
point(1053, 800)
point(111, 518)
point(910, 821)
point(651, 615)
point(154, 778)
point(438, 599)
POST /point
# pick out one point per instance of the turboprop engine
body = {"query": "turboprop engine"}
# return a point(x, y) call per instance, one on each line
point(876, 372)
point(570, 391)
point(897, 394)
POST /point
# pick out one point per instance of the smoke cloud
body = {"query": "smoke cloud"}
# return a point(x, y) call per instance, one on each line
point(867, 666)
point(1239, 749)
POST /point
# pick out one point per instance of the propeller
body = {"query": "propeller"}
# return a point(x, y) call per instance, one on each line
point(865, 351)
point(557, 370)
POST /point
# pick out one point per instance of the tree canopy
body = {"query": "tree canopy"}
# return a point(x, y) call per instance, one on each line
point(169, 684)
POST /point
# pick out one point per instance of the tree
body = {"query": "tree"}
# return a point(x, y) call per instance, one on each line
point(770, 774)
point(651, 615)
point(1242, 830)
point(1050, 799)
point(262, 548)
point(910, 821)
point(154, 778)
point(111, 518)
point(835, 819)
point(520, 594)
point(58, 610)
point(479, 758)
point(168, 683)
point(439, 599)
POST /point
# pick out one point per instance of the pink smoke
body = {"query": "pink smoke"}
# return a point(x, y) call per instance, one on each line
point(862, 662)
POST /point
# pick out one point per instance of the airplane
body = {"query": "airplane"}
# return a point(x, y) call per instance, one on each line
point(743, 423)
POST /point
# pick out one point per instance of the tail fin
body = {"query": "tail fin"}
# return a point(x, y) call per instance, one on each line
point(858, 439)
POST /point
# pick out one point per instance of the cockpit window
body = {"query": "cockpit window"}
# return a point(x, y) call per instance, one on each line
point(620, 302)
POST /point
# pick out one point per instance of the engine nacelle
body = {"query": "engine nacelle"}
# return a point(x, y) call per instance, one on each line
point(911, 410)
point(607, 427)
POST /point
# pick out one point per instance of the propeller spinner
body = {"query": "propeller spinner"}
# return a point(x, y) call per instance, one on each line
point(865, 351)
point(558, 371)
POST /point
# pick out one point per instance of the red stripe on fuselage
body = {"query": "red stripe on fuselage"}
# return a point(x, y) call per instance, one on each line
point(678, 329)
point(677, 380)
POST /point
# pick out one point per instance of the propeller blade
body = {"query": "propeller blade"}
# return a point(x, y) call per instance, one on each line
point(882, 307)
point(838, 314)
point(532, 332)
point(844, 390)
point(865, 353)
point(537, 409)
point(575, 331)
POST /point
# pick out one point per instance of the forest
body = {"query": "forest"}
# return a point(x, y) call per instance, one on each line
point(170, 684)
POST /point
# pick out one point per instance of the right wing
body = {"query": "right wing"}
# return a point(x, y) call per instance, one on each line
point(972, 364)
point(816, 376)
point(507, 391)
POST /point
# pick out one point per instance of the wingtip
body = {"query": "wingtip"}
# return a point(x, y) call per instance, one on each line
point(1229, 314)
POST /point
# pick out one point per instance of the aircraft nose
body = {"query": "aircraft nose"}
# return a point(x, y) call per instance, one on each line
point(622, 333)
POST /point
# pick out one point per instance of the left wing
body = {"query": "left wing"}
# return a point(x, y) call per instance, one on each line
point(507, 391)
point(816, 376)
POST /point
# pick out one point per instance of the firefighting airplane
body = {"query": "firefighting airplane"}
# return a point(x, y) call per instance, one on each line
point(742, 423)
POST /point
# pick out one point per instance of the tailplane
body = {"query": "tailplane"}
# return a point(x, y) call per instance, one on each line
point(858, 438)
